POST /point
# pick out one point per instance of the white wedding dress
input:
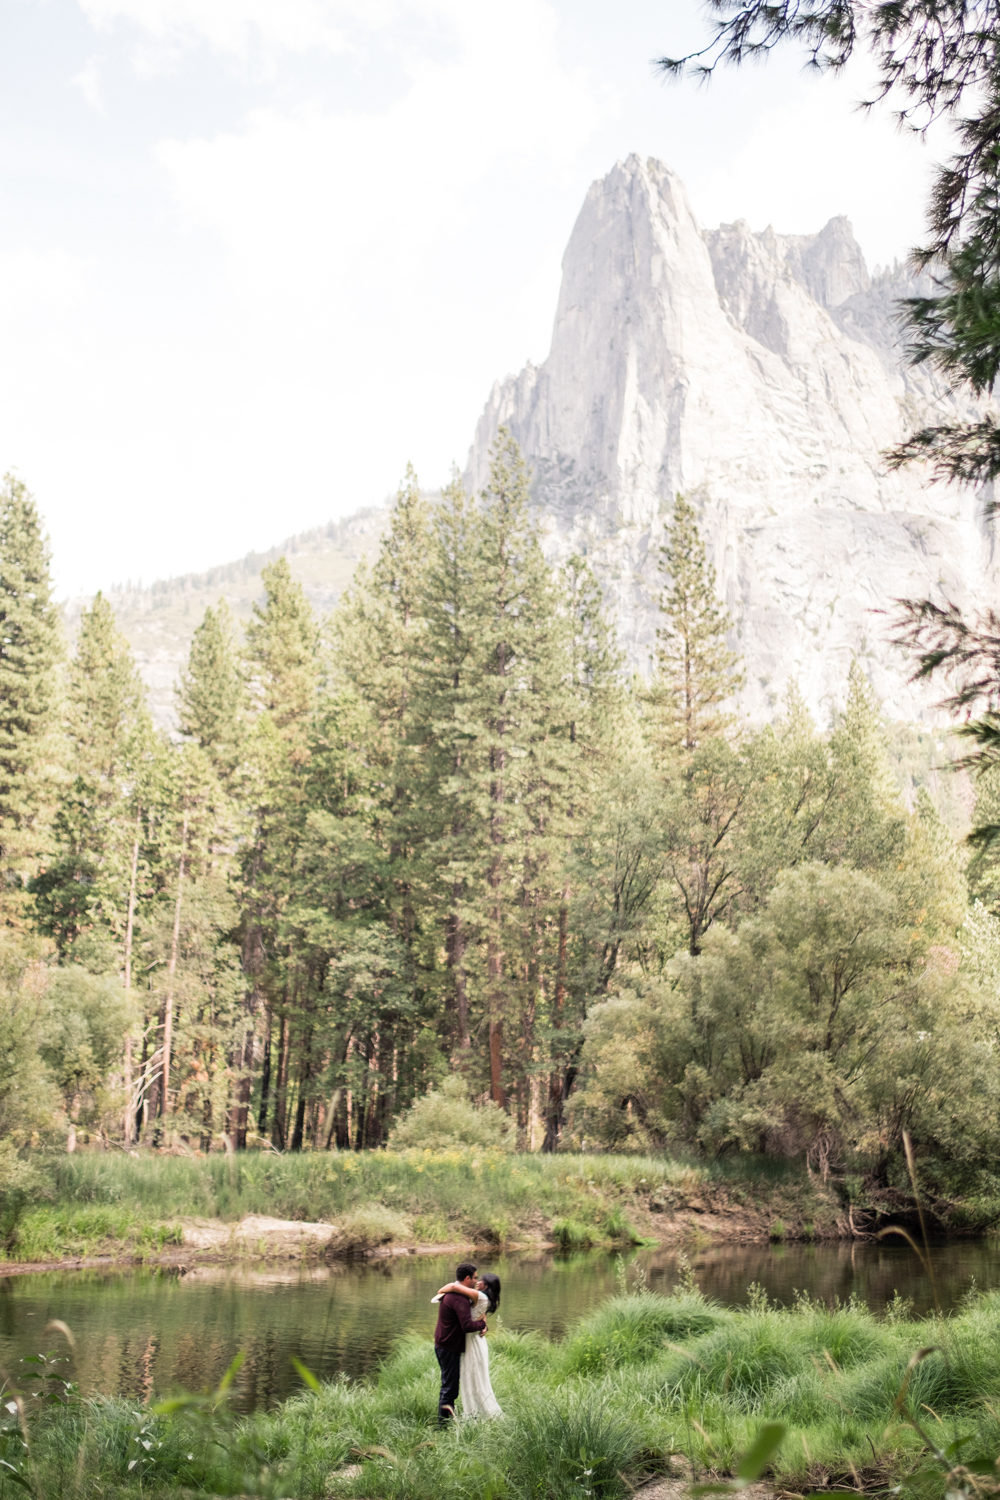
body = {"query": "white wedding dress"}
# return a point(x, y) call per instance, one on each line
point(475, 1391)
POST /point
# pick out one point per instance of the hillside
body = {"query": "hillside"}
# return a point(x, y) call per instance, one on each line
point(160, 620)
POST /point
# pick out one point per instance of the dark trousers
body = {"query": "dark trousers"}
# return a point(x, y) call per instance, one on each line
point(448, 1357)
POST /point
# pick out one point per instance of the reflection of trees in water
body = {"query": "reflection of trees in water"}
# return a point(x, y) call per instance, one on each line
point(144, 1334)
point(829, 1272)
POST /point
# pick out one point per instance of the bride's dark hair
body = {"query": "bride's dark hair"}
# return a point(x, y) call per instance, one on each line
point(492, 1285)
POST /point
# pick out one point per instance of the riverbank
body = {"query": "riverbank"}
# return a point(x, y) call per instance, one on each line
point(646, 1387)
point(158, 1209)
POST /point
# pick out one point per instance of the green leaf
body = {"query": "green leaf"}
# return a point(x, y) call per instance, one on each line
point(757, 1457)
point(176, 1403)
point(305, 1374)
point(231, 1374)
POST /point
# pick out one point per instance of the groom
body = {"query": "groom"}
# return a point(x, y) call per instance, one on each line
point(455, 1320)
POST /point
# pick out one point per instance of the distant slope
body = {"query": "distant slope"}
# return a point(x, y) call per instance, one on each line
point(159, 621)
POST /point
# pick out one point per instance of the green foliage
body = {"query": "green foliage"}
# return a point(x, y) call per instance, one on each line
point(83, 891)
point(80, 1041)
point(440, 835)
point(826, 1020)
point(211, 690)
point(30, 649)
point(445, 1120)
point(28, 1098)
point(695, 669)
point(21, 1183)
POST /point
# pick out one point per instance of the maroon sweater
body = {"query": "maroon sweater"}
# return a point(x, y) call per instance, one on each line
point(455, 1320)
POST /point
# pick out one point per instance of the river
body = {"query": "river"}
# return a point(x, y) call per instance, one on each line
point(147, 1332)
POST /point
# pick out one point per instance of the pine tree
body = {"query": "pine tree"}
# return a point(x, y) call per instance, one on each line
point(211, 690)
point(386, 673)
point(282, 642)
point(188, 955)
point(694, 672)
point(496, 701)
point(444, 736)
point(282, 664)
point(30, 651)
point(599, 712)
point(868, 824)
point(84, 890)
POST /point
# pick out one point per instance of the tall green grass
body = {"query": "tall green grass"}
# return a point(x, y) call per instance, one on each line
point(435, 1196)
point(638, 1383)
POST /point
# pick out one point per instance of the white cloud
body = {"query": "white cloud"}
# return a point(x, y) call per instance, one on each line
point(89, 83)
point(232, 26)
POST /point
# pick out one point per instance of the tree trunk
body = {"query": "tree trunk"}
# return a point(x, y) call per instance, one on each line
point(556, 1100)
point(281, 1092)
point(494, 950)
point(168, 1003)
point(496, 1064)
point(298, 1134)
point(455, 950)
point(265, 1079)
point(129, 1121)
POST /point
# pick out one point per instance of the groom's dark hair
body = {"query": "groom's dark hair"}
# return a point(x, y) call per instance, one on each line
point(465, 1269)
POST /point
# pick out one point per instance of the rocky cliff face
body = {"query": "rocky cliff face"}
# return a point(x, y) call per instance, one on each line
point(760, 375)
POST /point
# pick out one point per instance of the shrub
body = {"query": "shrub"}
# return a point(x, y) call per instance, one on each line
point(570, 1234)
point(21, 1183)
point(617, 1227)
point(446, 1118)
point(631, 1330)
point(372, 1224)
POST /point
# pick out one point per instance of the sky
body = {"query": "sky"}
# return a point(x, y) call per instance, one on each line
point(259, 254)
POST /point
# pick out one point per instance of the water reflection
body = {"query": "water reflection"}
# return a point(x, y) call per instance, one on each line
point(145, 1332)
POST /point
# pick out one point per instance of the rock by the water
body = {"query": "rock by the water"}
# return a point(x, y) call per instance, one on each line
point(257, 1233)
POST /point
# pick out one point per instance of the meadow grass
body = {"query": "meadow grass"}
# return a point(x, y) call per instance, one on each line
point(643, 1382)
point(100, 1200)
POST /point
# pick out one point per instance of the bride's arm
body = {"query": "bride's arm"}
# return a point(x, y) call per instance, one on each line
point(456, 1286)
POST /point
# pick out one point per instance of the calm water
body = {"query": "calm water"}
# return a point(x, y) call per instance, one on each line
point(146, 1332)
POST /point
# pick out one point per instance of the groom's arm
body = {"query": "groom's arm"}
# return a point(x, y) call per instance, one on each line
point(463, 1312)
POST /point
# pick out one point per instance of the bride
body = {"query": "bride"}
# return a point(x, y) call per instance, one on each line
point(475, 1389)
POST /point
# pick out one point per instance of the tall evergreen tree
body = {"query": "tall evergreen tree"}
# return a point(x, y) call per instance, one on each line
point(496, 702)
point(211, 692)
point(695, 669)
point(282, 641)
point(281, 656)
point(84, 890)
point(30, 650)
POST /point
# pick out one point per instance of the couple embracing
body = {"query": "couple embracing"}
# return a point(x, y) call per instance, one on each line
point(460, 1345)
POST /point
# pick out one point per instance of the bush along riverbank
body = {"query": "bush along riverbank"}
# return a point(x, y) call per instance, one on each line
point(647, 1385)
point(153, 1206)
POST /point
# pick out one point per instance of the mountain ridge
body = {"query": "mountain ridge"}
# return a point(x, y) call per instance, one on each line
point(761, 374)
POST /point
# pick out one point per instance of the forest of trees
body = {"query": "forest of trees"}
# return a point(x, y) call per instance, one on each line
point(444, 832)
